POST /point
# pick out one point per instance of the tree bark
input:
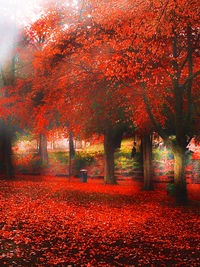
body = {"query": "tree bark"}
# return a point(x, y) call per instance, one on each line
point(141, 157)
point(6, 152)
point(109, 150)
point(179, 175)
point(147, 162)
point(71, 152)
point(179, 146)
point(43, 154)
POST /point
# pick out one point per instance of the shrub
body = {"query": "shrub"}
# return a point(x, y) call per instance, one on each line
point(170, 188)
point(60, 156)
point(81, 161)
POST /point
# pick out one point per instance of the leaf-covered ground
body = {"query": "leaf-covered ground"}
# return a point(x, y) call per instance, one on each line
point(51, 221)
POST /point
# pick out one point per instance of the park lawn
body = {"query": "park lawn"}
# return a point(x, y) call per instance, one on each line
point(51, 221)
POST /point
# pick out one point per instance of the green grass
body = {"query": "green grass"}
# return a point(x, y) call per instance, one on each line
point(83, 159)
point(60, 156)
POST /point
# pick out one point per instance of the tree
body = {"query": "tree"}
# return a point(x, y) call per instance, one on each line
point(147, 161)
point(11, 112)
point(83, 95)
point(33, 80)
point(145, 52)
point(156, 55)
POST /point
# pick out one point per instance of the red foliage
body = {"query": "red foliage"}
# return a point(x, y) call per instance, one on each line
point(56, 222)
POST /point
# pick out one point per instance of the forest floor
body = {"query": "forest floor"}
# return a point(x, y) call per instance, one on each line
point(52, 221)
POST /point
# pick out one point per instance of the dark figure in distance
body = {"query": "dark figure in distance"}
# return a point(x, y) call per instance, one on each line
point(133, 152)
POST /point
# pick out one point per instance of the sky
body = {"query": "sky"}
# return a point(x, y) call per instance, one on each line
point(25, 10)
point(15, 14)
point(19, 10)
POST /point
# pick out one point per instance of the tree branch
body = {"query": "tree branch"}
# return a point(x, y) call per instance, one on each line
point(148, 108)
point(168, 73)
point(190, 78)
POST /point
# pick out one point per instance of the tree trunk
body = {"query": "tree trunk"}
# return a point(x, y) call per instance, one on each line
point(147, 162)
point(6, 152)
point(8, 157)
point(71, 152)
point(43, 154)
point(109, 150)
point(179, 176)
point(179, 149)
point(141, 158)
point(180, 144)
point(7, 78)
